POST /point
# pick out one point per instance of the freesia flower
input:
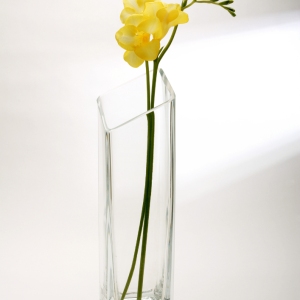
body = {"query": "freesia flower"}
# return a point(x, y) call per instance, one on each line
point(136, 40)
point(132, 7)
point(170, 16)
point(146, 23)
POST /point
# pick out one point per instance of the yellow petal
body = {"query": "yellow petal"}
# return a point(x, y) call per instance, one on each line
point(150, 25)
point(132, 59)
point(172, 15)
point(148, 51)
point(171, 7)
point(137, 5)
point(125, 14)
point(131, 4)
point(126, 37)
point(151, 8)
point(162, 14)
point(181, 19)
point(135, 19)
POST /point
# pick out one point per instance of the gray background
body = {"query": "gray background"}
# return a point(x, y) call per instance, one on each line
point(238, 147)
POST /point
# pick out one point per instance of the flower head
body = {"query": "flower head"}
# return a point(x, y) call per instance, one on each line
point(146, 22)
point(170, 16)
point(135, 38)
point(133, 7)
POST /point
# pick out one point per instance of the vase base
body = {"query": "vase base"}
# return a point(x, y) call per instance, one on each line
point(144, 298)
point(147, 295)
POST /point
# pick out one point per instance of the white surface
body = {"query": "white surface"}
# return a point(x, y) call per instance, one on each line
point(238, 148)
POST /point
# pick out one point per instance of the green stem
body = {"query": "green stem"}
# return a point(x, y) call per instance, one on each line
point(155, 69)
point(144, 220)
point(207, 2)
point(147, 199)
point(183, 8)
point(149, 173)
point(167, 46)
point(148, 181)
point(215, 2)
point(136, 250)
point(148, 85)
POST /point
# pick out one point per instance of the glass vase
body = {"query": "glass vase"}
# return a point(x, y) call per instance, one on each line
point(137, 236)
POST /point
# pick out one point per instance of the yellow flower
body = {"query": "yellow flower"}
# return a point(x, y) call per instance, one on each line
point(137, 5)
point(169, 16)
point(132, 7)
point(136, 39)
point(146, 23)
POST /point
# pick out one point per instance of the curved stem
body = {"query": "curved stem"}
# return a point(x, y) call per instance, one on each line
point(215, 2)
point(187, 6)
point(136, 250)
point(147, 199)
point(148, 181)
point(167, 46)
point(148, 85)
point(155, 69)
point(142, 218)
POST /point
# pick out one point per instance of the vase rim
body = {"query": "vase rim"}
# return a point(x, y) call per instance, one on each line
point(168, 86)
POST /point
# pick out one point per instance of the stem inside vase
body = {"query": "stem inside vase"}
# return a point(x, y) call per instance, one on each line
point(144, 219)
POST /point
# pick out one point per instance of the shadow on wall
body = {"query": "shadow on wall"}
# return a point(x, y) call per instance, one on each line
point(282, 161)
point(242, 241)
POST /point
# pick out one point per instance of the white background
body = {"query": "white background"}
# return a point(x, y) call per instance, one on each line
point(237, 82)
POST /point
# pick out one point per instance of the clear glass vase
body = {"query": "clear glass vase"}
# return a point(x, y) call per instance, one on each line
point(125, 126)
